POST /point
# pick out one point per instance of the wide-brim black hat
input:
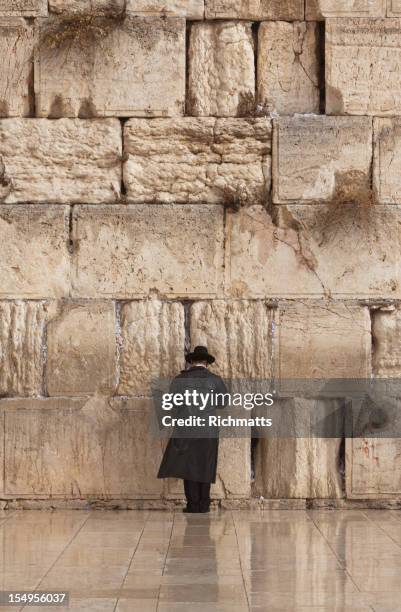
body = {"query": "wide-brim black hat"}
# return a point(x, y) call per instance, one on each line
point(200, 353)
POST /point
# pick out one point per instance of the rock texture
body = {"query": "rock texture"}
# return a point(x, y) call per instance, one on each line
point(373, 468)
point(255, 9)
point(393, 8)
point(218, 161)
point(321, 9)
point(288, 67)
point(101, 68)
point(23, 8)
point(22, 328)
point(87, 7)
point(81, 360)
point(34, 259)
point(387, 160)
point(228, 329)
point(386, 331)
point(309, 251)
point(362, 65)
point(16, 67)
point(153, 340)
point(191, 9)
point(167, 250)
point(321, 158)
point(79, 448)
point(221, 70)
point(69, 161)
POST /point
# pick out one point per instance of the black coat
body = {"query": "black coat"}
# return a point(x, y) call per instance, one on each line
point(193, 458)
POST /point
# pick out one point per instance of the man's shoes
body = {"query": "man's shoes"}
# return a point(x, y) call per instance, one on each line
point(191, 509)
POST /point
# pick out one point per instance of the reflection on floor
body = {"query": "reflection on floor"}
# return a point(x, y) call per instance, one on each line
point(229, 561)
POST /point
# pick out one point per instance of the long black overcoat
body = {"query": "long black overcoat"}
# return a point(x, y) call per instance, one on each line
point(193, 458)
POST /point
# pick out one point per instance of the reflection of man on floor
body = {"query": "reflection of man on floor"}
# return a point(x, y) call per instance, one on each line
point(193, 457)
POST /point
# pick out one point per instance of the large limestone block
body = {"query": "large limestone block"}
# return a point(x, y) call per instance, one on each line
point(288, 10)
point(34, 258)
point(134, 251)
point(288, 67)
point(342, 250)
point(191, 9)
point(386, 329)
point(23, 8)
point(238, 333)
point(22, 329)
point(314, 158)
point(221, 70)
point(393, 8)
point(153, 341)
point(218, 161)
point(373, 468)
point(323, 340)
point(16, 67)
point(81, 349)
point(99, 67)
point(77, 448)
point(87, 7)
point(321, 9)
point(64, 161)
point(363, 60)
point(387, 160)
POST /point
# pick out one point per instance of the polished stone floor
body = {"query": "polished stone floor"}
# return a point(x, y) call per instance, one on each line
point(226, 561)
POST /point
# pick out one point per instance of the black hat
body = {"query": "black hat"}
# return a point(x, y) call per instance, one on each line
point(200, 353)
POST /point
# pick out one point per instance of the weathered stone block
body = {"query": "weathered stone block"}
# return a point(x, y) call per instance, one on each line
point(78, 448)
point(319, 158)
point(393, 8)
point(221, 70)
point(363, 59)
point(191, 9)
point(310, 251)
point(386, 329)
point(227, 328)
point(134, 251)
point(321, 9)
point(323, 340)
point(255, 9)
point(198, 160)
point(81, 343)
point(23, 8)
point(87, 7)
point(64, 161)
point(153, 340)
point(22, 328)
point(373, 468)
point(288, 67)
point(33, 251)
point(16, 66)
point(99, 67)
point(387, 160)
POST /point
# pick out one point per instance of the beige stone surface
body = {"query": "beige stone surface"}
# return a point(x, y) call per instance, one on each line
point(221, 70)
point(22, 328)
point(228, 329)
point(23, 8)
point(387, 160)
point(218, 161)
point(373, 468)
point(386, 330)
point(134, 251)
point(87, 7)
point(393, 8)
point(79, 448)
point(34, 258)
point(317, 158)
point(153, 340)
point(191, 9)
point(16, 67)
point(255, 9)
point(288, 67)
point(110, 67)
point(69, 161)
point(323, 340)
point(321, 9)
point(82, 349)
point(363, 59)
point(311, 251)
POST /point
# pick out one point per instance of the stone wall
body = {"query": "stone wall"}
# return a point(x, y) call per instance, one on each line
point(175, 172)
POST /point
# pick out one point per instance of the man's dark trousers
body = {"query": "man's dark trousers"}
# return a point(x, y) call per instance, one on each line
point(198, 496)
